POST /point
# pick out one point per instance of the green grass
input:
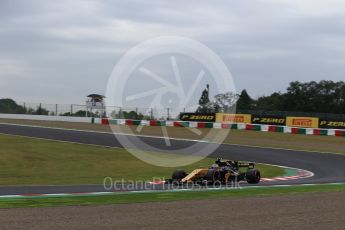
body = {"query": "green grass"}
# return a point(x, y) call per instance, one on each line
point(28, 161)
point(167, 196)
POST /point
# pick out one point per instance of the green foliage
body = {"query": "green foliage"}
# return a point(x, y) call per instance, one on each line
point(311, 97)
point(79, 113)
point(204, 99)
point(41, 111)
point(10, 106)
point(204, 102)
point(245, 102)
point(130, 115)
point(225, 102)
point(318, 97)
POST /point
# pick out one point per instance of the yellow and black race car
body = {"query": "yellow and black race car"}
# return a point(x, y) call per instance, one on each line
point(222, 172)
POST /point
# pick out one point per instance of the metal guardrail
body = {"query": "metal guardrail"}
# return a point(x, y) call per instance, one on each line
point(114, 112)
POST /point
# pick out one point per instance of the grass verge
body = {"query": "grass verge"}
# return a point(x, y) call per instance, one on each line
point(167, 196)
point(28, 161)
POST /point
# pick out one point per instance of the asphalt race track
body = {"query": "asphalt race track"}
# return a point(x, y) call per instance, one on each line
point(327, 168)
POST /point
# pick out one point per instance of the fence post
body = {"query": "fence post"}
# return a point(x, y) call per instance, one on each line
point(168, 110)
point(151, 114)
point(71, 109)
point(120, 112)
point(56, 109)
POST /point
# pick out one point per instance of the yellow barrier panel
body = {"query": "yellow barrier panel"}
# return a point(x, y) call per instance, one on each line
point(305, 122)
point(234, 118)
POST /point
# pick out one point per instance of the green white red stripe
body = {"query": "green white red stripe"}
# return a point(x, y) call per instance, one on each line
point(238, 126)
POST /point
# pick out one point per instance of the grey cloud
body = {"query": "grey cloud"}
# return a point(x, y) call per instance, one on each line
point(50, 47)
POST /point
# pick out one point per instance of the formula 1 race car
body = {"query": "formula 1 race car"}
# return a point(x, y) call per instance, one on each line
point(222, 172)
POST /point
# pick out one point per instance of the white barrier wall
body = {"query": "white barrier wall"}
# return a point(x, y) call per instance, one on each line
point(45, 118)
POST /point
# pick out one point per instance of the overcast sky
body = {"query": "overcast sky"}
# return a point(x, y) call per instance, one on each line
point(60, 51)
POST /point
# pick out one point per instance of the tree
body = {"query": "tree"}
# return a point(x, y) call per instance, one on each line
point(245, 102)
point(133, 115)
point(10, 106)
point(274, 102)
point(30, 111)
point(79, 113)
point(318, 97)
point(226, 102)
point(204, 106)
point(41, 111)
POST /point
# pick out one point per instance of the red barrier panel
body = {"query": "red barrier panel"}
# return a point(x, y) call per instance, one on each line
point(153, 123)
point(133, 122)
point(272, 128)
point(181, 124)
point(225, 126)
point(339, 133)
point(105, 121)
point(249, 127)
point(316, 132)
point(201, 125)
point(294, 130)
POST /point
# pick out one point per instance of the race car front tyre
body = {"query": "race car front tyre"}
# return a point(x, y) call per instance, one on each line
point(253, 176)
point(178, 175)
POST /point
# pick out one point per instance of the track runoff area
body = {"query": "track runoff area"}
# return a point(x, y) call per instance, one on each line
point(309, 167)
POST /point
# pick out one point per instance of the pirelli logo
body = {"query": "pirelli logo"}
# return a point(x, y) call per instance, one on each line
point(233, 118)
point(236, 119)
point(302, 122)
point(306, 122)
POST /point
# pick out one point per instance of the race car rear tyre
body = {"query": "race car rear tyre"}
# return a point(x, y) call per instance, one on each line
point(253, 176)
point(178, 175)
point(213, 176)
